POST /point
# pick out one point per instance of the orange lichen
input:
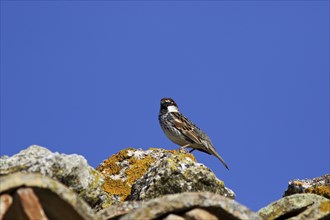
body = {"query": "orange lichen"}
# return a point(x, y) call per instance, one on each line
point(117, 187)
point(325, 206)
point(298, 183)
point(109, 166)
point(320, 190)
point(138, 167)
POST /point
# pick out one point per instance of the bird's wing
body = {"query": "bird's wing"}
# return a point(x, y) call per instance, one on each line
point(186, 127)
point(195, 135)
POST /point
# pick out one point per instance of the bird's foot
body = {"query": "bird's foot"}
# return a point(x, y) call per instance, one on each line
point(182, 149)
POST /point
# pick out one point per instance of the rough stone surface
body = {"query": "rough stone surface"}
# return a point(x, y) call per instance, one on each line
point(115, 211)
point(176, 174)
point(121, 170)
point(152, 184)
point(71, 170)
point(197, 214)
point(148, 171)
point(215, 204)
point(298, 206)
point(173, 217)
point(319, 186)
point(57, 200)
point(6, 201)
point(30, 204)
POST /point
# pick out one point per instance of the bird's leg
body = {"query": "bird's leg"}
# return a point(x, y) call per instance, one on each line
point(182, 149)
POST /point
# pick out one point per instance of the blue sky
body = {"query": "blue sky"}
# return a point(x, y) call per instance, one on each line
point(86, 77)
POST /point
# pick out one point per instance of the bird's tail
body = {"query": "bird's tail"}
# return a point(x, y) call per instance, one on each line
point(215, 153)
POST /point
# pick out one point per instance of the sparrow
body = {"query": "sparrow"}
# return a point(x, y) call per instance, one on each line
point(182, 131)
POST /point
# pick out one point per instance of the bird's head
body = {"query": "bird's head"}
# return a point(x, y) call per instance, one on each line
point(169, 105)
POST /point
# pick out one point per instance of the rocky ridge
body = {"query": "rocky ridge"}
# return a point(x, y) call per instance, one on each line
point(71, 170)
point(136, 184)
point(134, 174)
point(319, 186)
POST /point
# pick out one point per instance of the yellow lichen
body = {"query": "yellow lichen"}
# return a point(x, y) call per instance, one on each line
point(107, 204)
point(221, 183)
point(117, 187)
point(320, 190)
point(137, 168)
point(109, 166)
point(325, 206)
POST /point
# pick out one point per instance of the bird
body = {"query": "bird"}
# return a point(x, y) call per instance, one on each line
point(182, 131)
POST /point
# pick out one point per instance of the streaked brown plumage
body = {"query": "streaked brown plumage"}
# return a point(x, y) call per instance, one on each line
point(182, 131)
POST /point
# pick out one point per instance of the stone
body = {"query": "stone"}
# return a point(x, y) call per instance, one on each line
point(135, 174)
point(199, 214)
point(121, 170)
point(117, 210)
point(55, 199)
point(30, 204)
point(173, 217)
point(176, 173)
point(319, 186)
point(6, 201)
point(217, 205)
point(71, 170)
point(298, 206)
